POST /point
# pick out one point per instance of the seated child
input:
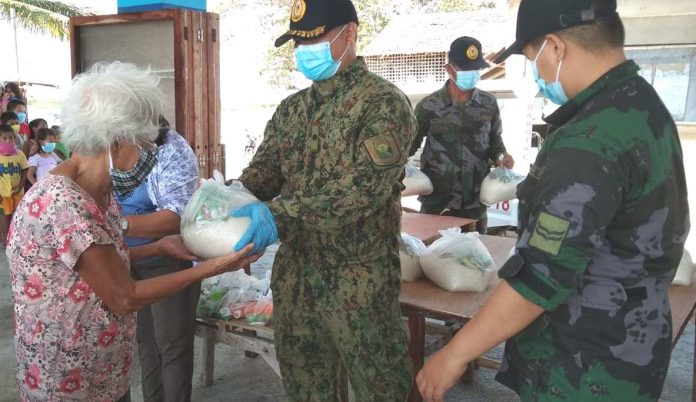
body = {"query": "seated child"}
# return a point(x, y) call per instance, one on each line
point(13, 174)
point(45, 160)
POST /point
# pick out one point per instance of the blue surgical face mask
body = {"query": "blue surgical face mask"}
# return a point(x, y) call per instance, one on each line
point(554, 91)
point(467, 80)
point(316, 62)
point(48, 147)
point(21, 117)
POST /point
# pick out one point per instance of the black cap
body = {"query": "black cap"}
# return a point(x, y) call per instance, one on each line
point(313, 18)
point(540, 17)
point(466, 54)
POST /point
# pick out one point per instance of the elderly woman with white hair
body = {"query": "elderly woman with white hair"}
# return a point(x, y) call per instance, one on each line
point(69, 266)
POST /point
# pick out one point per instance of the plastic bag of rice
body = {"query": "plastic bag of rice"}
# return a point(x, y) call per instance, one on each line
point(499, 185)
point(416, 182)
point(410, 250)
point(458, 262)
point(685, 271)
point(206, 227)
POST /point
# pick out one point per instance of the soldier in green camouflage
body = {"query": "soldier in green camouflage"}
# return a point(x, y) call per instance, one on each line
point(603, 220)
point(462, 127)
point(329, 170)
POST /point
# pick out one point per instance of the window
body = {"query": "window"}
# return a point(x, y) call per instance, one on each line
point(672, 71)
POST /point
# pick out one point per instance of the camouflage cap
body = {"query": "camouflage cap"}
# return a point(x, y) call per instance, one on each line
point(313, 18)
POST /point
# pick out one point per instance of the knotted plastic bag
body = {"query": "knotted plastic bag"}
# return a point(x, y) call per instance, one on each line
point(410, 250)
point(206, 227)
point(499, 185)
point(459, 262)
point(416, 182)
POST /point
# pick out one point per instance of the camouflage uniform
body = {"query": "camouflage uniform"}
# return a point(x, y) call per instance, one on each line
point(334, 154)
point(461, 141)
point(603, 220)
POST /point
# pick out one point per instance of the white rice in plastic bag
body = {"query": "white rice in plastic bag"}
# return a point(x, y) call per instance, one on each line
point(206, 227)
point(410, 250)
point(416, 182)
point(459, 262)
point(685, 271)
point(499, 185)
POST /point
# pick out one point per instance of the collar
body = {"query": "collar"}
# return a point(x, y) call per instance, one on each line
point(618, 74)
point(444, 97)
point(343, 79)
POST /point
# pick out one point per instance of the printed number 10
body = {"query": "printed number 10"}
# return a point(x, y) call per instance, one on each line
point(506, 206)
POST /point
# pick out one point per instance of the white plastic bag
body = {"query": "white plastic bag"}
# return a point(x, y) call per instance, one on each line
point(685, 271)
point(410, 250)
point(416, 182)
point(458, 262)
point(206, 227)
point(221, 295)
point(499, 185)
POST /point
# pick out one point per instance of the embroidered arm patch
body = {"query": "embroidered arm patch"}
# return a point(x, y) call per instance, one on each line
point(549, 233)
point(383, 150)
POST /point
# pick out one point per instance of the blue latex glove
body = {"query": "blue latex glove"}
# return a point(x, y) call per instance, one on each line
point(262, 231)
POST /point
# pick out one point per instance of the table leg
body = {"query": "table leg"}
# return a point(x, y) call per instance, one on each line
point(416, 348)
point(208, 357)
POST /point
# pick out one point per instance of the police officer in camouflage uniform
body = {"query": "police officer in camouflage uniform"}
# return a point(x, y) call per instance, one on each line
point(329, 171)
point(603, 220)
point(462, 127)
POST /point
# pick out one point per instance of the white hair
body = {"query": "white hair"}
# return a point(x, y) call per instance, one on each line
point(112, 102)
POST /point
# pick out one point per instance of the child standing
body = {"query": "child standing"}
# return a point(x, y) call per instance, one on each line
point(13, 175)
point(45, 160)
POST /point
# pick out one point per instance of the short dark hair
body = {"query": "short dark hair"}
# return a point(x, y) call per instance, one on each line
point(603, 33)
point(7, 116)
point(44, 133)
point(5, 128)
point(13, 104)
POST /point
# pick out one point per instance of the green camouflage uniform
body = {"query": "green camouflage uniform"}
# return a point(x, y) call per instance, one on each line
point(334, 154)
point(603, 220)
point(461, 141)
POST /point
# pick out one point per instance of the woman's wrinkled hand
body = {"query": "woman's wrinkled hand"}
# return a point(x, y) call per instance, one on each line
point(173, 246)
point(234, 261)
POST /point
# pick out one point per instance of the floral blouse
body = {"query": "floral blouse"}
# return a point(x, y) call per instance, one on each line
point(69, 345)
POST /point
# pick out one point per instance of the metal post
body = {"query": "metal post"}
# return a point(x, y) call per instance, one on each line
point(13, 15)
point(690, 111)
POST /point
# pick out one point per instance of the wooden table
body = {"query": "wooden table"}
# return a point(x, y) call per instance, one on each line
point(427, 227)
point(422, 299)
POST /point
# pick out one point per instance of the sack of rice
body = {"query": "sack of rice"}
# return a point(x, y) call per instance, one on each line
point(458, 262)
point(410, 250)
point(499, 185)
point(206, 227)
point(416, 182)
point(685, 271)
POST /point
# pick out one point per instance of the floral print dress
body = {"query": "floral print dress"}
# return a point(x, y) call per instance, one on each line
point(69, 345)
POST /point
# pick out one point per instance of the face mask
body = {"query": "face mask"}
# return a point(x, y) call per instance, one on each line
point(16, 128)
point(316, 62)
point(48, 147)
point(467, 80)
point(7, 148)
point(21, 117)
point(554, 91)
point(127, 181)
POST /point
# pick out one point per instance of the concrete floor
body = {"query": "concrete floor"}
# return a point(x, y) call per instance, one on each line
point(239, 379)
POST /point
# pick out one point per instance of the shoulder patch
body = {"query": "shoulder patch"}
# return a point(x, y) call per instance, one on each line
point(549, 233)
point(383, 150)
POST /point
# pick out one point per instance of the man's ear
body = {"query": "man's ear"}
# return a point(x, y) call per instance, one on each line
point(557, 45)
point(352, 29)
